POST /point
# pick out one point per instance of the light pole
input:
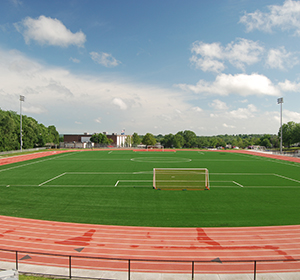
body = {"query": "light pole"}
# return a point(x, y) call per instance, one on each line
point(280, 101)
point(22, 98)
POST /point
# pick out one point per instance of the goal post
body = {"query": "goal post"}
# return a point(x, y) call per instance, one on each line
point(181, 179)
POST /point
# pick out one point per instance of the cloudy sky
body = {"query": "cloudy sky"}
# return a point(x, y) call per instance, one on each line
point(213, 67)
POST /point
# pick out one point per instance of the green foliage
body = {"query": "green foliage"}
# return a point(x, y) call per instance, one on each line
point(34, 134)
point(136, 140)
point(149, 139)
point(100, 138)
point(188, 139)
point(290, 133)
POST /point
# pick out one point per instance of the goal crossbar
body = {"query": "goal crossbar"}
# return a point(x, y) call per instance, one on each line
point(181, 178)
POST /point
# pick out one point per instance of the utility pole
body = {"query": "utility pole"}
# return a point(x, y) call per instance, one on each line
point(280, 101)
point(22, 99)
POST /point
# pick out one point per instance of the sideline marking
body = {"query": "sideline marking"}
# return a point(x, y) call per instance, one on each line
point(52, 179)
point(238, 184)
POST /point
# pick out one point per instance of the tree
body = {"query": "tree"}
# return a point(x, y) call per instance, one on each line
point(178, 141)
point(266, 143)
point(8, 132)
point(168, 141)
point(33, 133)
point(190, 138)
point(100, 138)
point(149, 139)
point(202, 142)
point(128, 141)
point(297, 133)
point(53, 134)
point(288, 133)
point(136, 140)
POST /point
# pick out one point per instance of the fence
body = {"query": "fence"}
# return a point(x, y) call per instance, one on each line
point(80, 266)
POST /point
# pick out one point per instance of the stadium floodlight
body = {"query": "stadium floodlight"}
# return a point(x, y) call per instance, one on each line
point(22, 99)
point(280, 101)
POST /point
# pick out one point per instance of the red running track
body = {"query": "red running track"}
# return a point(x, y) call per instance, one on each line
point(216, 246)
point(149, 243)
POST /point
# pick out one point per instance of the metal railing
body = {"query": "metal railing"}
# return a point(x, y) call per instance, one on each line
point(65, 265)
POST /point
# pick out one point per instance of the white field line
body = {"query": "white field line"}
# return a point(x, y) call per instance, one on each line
point(90, 186)
point(281, 161)
point(98, 173)
point(129, 186)
point(135, 180)
point(287, 178)
point(52, 179)
point(256, 174)
point(110, 152)
point(238, 184)
point(131, 181)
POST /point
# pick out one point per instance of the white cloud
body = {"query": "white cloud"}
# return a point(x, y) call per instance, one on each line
point(120, 103)
point(75, 60)
point(286, 17)
point(213, 56)
point(106, 104)
point(33, 109)
point(219, 105)
point(291, 116)
point(104, 59)
point(228, 125)
point(98, 120)
point(243, 113)
point(240, 84)
point(281, 59)
point(197, 109)
point(49, 31)
point(16, 2)
point(289, 86)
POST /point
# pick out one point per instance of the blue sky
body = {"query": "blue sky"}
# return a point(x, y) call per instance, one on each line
point(213, 67)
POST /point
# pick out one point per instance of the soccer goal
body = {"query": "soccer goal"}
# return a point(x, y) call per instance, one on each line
point(181, 179)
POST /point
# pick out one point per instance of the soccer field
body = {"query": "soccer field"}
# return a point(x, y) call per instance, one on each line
point(115, 188)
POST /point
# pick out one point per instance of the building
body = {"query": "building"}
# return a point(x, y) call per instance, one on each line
point(84, 140)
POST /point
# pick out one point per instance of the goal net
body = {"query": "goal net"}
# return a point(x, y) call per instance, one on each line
point(181, 179)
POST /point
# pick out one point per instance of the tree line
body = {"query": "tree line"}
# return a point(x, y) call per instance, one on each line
point(34, 134)
point(188, 139)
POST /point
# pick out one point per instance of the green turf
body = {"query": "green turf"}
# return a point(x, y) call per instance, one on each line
point(115, 187)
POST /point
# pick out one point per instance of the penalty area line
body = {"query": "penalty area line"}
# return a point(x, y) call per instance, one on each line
point(287, 178)
point(51, 179)
point(238, 184)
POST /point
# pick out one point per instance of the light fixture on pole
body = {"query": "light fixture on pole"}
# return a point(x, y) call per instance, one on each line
point(280, 101)
point(22, 98)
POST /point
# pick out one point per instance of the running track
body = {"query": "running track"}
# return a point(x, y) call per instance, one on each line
point(217, 246)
